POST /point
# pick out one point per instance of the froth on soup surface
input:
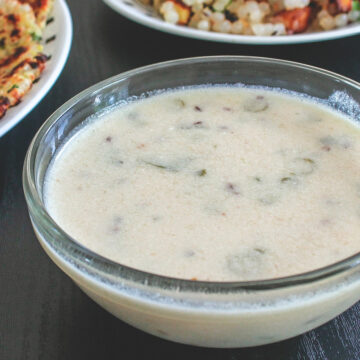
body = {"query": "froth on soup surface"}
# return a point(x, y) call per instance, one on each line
point(215, 183)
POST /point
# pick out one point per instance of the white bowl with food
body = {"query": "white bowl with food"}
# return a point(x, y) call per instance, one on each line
point(246, 21)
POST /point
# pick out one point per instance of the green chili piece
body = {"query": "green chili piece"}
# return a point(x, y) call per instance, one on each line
point(15, 86)
point(35, 36)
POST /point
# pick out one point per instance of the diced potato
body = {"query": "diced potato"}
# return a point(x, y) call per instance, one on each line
point(183, 11)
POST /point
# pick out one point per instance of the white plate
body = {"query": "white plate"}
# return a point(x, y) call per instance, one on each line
point(59, 50)
point(145, 15)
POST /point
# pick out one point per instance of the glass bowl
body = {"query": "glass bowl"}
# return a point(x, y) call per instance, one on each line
point(212, 314)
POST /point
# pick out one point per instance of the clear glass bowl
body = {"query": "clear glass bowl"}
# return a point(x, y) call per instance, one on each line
point(214, 314)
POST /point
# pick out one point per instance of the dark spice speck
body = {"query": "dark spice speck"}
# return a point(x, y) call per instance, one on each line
point(15, 32)
point(116, 223)
point(232, 189)
point(232, 17)
point(189, 253)
point(49, 21)
point(202, 172)
point(50, 39)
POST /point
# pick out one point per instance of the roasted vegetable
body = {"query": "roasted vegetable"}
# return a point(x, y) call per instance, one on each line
point(183, 11)
point(295, 21)
point(344, 5)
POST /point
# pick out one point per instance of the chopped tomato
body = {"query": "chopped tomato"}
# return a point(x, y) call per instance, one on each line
point(295, 21)
point(344, 5)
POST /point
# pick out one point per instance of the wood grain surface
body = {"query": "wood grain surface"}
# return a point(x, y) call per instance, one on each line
point(43, 315)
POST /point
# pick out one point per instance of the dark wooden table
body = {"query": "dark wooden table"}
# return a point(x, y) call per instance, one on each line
point(43, 315)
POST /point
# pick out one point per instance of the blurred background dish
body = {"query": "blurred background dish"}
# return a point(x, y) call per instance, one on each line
point(147, 15)
point(56, 41)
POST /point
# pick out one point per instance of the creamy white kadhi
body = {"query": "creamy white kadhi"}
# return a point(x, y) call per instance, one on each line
point(212, 183)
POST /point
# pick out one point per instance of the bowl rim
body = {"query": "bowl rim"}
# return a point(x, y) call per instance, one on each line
point(118, 272)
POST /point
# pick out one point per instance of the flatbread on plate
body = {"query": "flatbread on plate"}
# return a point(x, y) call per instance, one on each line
point(21, 58)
